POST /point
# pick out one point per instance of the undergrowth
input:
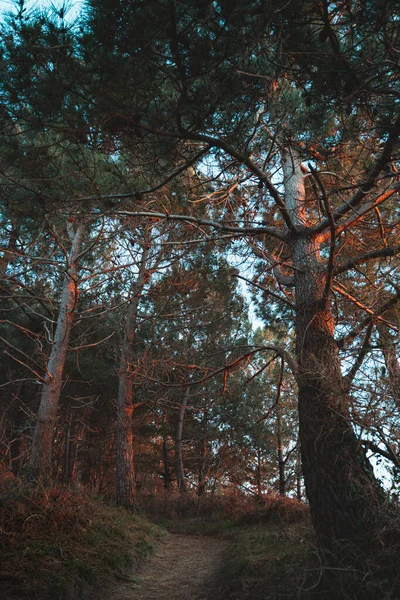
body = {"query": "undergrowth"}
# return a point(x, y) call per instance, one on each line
point(219, 513)
point(269, 561)
point(60, 543)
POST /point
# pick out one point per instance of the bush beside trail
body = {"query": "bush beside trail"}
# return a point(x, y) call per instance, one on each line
point(58, 543)
point(219, 512)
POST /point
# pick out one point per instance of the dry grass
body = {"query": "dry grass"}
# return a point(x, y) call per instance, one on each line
point(59, 543)
point(219, 512)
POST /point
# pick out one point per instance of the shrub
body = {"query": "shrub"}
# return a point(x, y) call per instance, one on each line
point(58, 543)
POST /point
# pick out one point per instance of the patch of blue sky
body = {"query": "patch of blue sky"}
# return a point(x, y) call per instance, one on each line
point(72, 8)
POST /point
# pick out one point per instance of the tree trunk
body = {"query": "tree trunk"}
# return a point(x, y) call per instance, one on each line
point(281, 460)
point(298, 475)
point(258, 473)
point(203, 459)
point(69, 449)
point(125, 467)
point(167, 474)
point(388, 348)
point(180, 473)
point(42, 443)
point(347, 503)
point(9, 254)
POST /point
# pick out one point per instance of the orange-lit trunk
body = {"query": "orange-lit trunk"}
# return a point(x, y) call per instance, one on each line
point(42, 444)
point(125, 459)
point(347, 502)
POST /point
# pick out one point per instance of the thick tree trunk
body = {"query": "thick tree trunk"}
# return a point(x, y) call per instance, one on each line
point(345, 499)
point(180, 473)
point(347, 503)
point(42, 443)
point(125, 460)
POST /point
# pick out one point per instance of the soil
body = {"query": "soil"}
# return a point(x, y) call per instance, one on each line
point(185, 567)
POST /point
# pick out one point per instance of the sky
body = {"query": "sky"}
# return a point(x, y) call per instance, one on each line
point(75, 6)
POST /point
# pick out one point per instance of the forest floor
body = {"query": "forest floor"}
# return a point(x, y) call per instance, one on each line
point(184, 566)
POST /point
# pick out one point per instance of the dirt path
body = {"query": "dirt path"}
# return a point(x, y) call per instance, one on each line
point(184, 567)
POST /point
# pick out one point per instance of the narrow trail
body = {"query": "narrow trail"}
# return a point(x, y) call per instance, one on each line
point(185, 567)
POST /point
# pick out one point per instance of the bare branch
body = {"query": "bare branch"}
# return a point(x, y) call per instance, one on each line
point(364, 210)
point(349, 377)
point(25, 365)
point(84, 346)
point(343, 292)
point(272, 231)
point(375, 317)
point(366, 186)
point(7, 343)
point(266, 290)
point(389, 454)
point(358, 260)
point(139, 193)
point(242, 158)
point(278, 394)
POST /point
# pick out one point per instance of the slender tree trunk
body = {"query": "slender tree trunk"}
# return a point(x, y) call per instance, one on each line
point(281, 460)
point(125, 467)
point(392, 364)
point(347, 503)
point(203, 459)
point(42, 443)
point(10, 252)
point(69, 449)
point(167, 474)
point(180, 473)
point(258, 473)
point(298, 475)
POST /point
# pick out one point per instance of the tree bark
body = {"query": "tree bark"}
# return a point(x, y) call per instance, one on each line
point(258, 472)
point(70, 449)
point(347, 502)
point(167, 473)
point(42, 444)
point(392, 364)
point(125, 465)
point(281, 460)
point(203, 467)
point(298, 475)
point(9, 254)
point(180, 473)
